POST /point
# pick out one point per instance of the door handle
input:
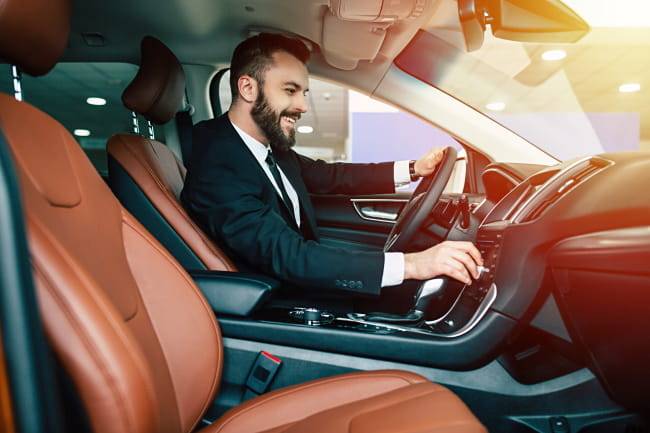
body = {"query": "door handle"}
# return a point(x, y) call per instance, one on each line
point(371, 212)
point(381, 210)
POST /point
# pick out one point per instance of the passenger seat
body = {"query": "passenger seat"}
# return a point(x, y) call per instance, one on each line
point(146, 176)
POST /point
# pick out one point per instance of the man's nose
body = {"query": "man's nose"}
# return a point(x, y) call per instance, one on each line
point(302, 104)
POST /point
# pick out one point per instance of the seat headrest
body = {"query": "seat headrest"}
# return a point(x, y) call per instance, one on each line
point(158, 90)
point(34, 33)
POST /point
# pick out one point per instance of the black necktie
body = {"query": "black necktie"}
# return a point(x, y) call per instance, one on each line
point(278, 179)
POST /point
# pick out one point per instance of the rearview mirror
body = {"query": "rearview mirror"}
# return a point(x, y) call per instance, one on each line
point(542, 21)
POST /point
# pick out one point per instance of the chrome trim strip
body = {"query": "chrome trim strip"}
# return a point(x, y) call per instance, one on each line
point(356, 201)
point(481, 311)
point(515, 218)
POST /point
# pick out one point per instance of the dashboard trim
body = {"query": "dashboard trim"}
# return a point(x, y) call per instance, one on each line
point(515, 218)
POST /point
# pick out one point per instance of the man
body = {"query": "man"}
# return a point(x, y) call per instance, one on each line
point(250, 191)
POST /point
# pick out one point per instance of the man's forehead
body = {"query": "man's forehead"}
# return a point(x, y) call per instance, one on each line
point(286, 69)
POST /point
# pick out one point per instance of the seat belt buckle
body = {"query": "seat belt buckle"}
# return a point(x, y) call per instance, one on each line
point(264, 370)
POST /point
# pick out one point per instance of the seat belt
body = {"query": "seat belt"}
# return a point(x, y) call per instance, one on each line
point(184, 128)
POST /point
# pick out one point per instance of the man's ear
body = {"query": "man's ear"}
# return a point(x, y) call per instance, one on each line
point(247, 87)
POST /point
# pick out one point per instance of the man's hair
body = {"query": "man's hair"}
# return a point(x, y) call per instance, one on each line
point(254, 56)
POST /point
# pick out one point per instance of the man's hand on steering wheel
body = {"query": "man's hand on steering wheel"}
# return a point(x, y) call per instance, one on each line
point(455, 259)
point(458, 260)
point(427, 164)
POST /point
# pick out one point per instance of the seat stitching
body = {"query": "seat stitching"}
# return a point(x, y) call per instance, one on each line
point(174, 202)
point(209, 312)
point(87, 342)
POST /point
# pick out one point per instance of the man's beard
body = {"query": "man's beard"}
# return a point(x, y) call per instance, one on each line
point(269, 122)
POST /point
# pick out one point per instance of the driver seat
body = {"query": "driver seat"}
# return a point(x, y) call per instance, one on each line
point(146, 176)
point(136, 337)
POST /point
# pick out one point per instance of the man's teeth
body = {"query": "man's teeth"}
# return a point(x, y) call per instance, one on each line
point(290, 119)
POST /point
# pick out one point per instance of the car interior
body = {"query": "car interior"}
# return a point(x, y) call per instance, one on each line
point(119, 313)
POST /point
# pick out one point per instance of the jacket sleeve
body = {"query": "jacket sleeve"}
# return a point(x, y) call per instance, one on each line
point(346, 178)
point(229, 207)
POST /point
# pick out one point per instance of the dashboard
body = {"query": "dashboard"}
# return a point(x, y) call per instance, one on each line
point(579, 230)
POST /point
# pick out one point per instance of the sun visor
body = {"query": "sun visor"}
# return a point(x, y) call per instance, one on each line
point(345, 43)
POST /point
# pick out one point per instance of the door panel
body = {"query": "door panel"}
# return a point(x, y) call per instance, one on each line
point(357, 222)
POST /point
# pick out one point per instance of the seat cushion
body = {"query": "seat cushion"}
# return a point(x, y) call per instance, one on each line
point(385, 401)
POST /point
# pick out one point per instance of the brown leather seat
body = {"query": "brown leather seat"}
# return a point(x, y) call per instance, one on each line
point(122, 315)
point(157, 92)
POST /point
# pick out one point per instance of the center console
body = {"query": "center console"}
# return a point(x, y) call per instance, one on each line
point(465, 304)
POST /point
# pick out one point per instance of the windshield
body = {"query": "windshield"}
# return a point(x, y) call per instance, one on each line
point(570, 100)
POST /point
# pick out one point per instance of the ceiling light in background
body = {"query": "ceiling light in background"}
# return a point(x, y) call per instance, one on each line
point(496, 106)
point(327, 96)
point(305, 129)
point(553, 55)
point(629, 87)
point(93, 100)
point(81, 132)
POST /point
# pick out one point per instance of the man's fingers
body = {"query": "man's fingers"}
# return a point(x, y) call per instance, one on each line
point(467, 261)
point(459, 275)
point(470, 249)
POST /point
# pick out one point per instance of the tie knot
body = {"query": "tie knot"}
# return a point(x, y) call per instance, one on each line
point(269, 159)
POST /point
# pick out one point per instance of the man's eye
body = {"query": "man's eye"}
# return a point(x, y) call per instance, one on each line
point(290, 91)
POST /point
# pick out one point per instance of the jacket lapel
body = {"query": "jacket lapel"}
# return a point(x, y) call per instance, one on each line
point(282, 207)
point(292, 172)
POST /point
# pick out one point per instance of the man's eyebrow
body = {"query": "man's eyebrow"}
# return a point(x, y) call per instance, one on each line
point(293, 83)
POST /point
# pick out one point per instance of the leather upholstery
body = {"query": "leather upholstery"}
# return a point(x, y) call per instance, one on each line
point(135, 335)
point(35, 51)
point(158, 89)
point(372, 402)
point(120, 312)
point(160, 175)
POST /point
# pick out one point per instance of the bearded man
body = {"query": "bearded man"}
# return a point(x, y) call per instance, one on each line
point(250, 191)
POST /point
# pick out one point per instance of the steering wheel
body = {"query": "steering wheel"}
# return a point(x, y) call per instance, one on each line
point(424, 198)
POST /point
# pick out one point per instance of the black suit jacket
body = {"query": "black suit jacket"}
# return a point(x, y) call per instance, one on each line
point(230, 196)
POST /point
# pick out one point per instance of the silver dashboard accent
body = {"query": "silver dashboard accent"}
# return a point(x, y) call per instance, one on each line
point(521, 208)
point(369, 214)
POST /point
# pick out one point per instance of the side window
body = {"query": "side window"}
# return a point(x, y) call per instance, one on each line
point(345, 125)
point(87, 99)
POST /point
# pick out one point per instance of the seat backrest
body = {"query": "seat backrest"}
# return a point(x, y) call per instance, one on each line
point(133, 332)
point(146, 176)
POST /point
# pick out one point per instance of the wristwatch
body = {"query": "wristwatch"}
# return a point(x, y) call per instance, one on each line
point(412, 173)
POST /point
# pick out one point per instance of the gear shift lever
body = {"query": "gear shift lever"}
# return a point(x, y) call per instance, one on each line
point(427, 290)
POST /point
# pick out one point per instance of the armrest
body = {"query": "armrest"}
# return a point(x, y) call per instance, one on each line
point(234, 293)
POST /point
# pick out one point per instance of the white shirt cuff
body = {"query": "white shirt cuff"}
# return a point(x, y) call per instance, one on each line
point(401, 174)
point(393, 269)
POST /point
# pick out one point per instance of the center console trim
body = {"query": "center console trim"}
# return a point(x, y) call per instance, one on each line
point(482, 309)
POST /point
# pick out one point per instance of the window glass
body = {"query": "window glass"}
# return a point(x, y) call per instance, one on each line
point(570, 100)
point(63, 93)
point(345, 125)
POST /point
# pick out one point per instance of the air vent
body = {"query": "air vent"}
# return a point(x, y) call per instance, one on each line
point(558, 186)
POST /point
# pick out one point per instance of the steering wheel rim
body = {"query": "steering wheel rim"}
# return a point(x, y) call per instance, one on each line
point(424, 198)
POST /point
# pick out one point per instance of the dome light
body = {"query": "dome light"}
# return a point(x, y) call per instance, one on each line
point(496, 106)
point(553, 55)
point(629, 87)
point(81, 132)
point(94, 100)
point(305, 129)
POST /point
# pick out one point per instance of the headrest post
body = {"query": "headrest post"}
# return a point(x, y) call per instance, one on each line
point(16, 78)
point(136, 126)
point(151, 131)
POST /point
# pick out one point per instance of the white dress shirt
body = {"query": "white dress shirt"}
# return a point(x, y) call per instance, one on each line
point(393, 273)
